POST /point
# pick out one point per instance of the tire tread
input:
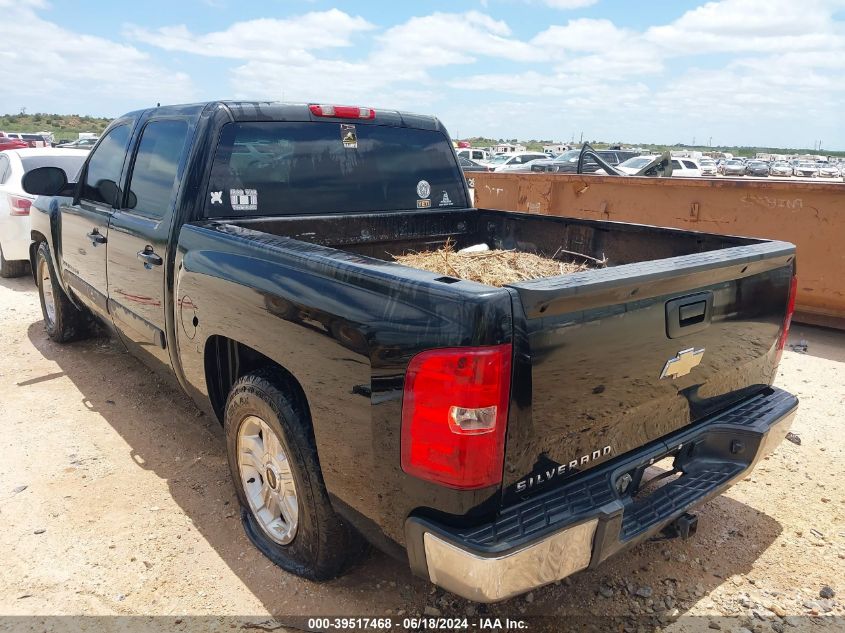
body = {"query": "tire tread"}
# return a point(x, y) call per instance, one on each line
point(333, 542)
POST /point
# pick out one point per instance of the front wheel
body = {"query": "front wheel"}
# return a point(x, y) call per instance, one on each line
point(285, 507)
point(63, 321)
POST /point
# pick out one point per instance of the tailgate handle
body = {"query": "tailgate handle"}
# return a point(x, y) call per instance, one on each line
point(692, 313)
point(687, 315)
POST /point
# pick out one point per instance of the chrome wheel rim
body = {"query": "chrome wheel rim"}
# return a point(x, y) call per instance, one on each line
point(267, 480)
point(47, 294)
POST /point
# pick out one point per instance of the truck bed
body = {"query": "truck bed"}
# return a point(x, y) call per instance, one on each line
point(383, 236)
point(591, 348)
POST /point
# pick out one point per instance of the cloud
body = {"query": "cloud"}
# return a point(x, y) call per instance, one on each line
point(564, 90)
point(787, 57)
point(63, 68)
point(598, 48)
point(583, 35)
point(266, 38)
point(749, 66)
point(443, 39)
point(569, 4)
point(289, 57)
point(752, 25)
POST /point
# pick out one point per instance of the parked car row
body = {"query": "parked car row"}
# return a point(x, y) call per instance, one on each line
point(29, 140)
point(631, 162)
point(781, 168)
point(82, 143)
point(15, 203)
point(568, 161)
point(19, 140)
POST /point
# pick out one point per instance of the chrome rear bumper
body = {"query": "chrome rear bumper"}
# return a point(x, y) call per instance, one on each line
point(550, 536)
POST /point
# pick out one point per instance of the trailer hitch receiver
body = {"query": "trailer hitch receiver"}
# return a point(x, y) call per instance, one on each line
point(684, 527)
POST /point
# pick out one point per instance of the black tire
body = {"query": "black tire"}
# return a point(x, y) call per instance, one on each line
point(14, 268)
point(323, 543)
point(68, 323)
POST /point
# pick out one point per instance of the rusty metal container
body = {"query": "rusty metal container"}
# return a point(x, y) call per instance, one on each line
point(811, 215)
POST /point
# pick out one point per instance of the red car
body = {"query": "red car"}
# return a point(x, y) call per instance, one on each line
point(11, 143)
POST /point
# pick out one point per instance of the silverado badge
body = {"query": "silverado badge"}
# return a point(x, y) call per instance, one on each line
point(683, 363)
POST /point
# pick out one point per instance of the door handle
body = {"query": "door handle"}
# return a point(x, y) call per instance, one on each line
point(149, 257)
point(95, 237)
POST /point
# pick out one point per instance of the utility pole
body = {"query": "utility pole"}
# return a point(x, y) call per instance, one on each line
point(582, 138)
point(710, 142)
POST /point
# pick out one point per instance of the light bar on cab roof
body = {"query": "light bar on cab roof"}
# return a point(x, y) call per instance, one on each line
point(342, 112)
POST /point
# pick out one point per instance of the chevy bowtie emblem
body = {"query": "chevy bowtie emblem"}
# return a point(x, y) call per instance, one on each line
point(683, 363)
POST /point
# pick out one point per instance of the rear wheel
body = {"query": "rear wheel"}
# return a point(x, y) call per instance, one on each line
point(14, 268)
point(63, 321)
point(285, 507)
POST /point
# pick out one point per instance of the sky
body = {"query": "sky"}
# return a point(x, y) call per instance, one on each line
point(727, 72)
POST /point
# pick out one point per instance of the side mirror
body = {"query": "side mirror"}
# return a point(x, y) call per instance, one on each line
point(47, 181)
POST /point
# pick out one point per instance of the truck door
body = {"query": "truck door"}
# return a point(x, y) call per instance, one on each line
point(138, 239)
point(85, 221)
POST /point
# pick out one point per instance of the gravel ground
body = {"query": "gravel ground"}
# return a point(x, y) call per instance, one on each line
point(115, 500)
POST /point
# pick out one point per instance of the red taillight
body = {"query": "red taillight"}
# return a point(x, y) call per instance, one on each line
point(787, 320)
point(342, 112)
point(19, 206)
point(454, 415)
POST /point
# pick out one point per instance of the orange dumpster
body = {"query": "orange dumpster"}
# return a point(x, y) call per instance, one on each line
point(811, 215)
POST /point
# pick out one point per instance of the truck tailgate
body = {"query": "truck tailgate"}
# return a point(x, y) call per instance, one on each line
point(609, 360)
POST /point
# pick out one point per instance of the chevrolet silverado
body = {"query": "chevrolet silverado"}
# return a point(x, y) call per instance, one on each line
point(495, 438)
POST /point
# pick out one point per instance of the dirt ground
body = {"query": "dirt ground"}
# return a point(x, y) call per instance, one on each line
point(115, 499)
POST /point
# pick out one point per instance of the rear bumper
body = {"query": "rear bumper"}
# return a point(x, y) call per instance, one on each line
point(15, 237)
point(580, 524)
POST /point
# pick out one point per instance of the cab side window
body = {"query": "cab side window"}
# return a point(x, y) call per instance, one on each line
point(102, 174)
point(156, 168)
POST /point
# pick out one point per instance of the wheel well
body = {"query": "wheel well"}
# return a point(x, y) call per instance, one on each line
point(227, 360)
point(37, 237)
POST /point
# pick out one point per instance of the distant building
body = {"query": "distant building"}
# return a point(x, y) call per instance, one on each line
point(555, 149)
point(507, 148)
point(770, 157)
point(684, 153)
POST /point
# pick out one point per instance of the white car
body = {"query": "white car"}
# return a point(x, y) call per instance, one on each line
point(15, 203)
point(708, 167)
point(516, 161)
point(685, 168)
point(826, 170)
point(478, 155)
point(632, 165)
point(806, 169)
point(781, 168)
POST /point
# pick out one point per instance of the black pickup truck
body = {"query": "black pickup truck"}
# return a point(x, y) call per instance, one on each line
point(496, 438)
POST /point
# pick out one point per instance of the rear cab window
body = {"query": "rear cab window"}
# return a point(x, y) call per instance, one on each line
point(299, 168)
